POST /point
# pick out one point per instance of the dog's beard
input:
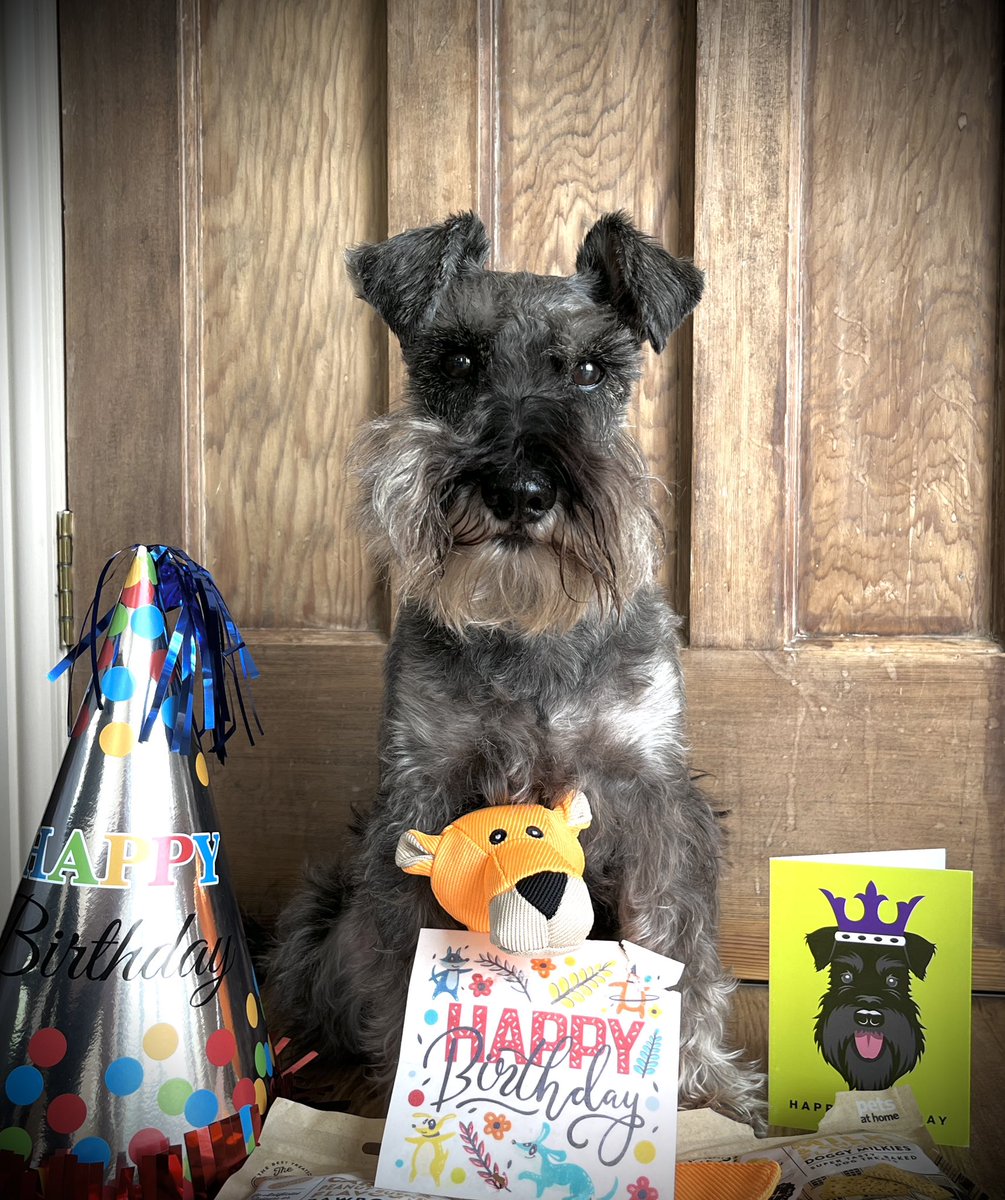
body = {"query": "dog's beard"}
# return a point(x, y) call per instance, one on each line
point(889, 1052)
point(586, 557)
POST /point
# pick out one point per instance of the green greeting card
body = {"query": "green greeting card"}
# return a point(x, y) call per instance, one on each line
point(870, 972)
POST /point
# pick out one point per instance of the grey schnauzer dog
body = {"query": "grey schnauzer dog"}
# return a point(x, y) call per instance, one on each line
point(533, 652)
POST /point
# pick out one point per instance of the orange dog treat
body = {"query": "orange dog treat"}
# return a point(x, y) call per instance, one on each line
point(727, 1180)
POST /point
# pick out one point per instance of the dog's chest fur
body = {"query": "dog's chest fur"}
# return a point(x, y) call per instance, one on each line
point(499, 718)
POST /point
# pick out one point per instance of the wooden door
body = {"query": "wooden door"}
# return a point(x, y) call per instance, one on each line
point(830, 444)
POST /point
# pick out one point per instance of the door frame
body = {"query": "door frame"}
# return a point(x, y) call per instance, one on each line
point(32, 424)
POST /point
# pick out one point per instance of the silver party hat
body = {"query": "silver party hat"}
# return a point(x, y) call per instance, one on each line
point(128, 1002)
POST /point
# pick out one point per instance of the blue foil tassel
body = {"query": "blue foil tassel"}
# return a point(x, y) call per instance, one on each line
point(205, 649)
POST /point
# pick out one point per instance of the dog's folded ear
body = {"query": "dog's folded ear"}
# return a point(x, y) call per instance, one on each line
point(650, 290)
point(821, 944)
point(919, 953)
point(404, 277)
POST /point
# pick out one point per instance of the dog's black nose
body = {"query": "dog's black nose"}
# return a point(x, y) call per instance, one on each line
point(544, 890)
point(868, 1018)
point(520, 496)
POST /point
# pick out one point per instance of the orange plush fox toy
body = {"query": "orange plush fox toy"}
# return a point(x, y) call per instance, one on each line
point(513, 871)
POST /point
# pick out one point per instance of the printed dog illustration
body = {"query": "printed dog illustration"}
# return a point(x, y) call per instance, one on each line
point(869, 1026)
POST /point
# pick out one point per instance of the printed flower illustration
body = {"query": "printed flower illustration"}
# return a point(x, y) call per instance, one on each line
point(497, 1126)
point(481, 985)
point(543, 966)
point(654, 1011)
point(641, 1189)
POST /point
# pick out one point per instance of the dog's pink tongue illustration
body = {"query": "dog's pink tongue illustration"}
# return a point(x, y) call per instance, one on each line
point(869, 1045)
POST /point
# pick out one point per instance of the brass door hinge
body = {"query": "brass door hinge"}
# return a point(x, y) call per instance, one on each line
point(64, 576)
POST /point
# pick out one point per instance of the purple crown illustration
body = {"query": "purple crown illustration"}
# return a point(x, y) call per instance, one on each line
point(871, 928)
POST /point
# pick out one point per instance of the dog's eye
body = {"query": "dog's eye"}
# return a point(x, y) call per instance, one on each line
point(497, 836)
point(457, 365)
point(533, 831)
point(587, 374)
point(846, 977)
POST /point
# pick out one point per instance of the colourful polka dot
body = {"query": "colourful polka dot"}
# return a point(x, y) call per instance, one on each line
point(169, 711)
point(260, 1058)
point(173, 1096)
point(431, 1016)
point(120, 619)
point(416, 1097)
point(458, 1175)
point(221, 1047)
point(261, 1095)
point(147, 622)
point(244, 1094)
point(201, 1108)
point(66, 1113)
point(268, 1058)
point(83, 720)
point(17, 1141)
point(47, 1047)
point(252, 1010)
point(117, 739)
point(202, 771)
point(247, 1127)
point(645, 1152)
point(160, 1041)
point(157, 658)
point(124, 1076)
point(93, 1150)
point(137, 570)
point(24, 1085)
point(107, 655)
point(145, 1142)
point(118, 683)
point(652, 1103)
point(138, 595)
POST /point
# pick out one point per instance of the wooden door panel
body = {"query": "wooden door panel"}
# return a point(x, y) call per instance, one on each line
point(833, 469)
point(848, 210)
point(901, 220)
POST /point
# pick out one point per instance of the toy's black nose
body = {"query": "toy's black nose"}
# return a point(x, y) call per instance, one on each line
point(544, 890)
point(521, 496)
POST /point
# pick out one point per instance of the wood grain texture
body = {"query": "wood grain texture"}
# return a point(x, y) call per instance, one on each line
point(434, 98)
point(122, 279)
point(287, 801)
point(901, 280)
point(293, 169)
point(829, 750)
point(594, 113)
point(742, 162)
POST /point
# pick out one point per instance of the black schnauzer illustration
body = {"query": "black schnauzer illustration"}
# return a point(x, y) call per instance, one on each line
point(533, 652)
point(869, 1026)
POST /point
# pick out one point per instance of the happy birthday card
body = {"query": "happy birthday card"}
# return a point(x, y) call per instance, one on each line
point(520, 1075)
point(870, 970)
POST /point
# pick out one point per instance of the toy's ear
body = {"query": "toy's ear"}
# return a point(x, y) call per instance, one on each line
point(415, 851)
point(919, 953)
point(405, 277)
point(575, 808)
point(650, 290)
point(821, 944)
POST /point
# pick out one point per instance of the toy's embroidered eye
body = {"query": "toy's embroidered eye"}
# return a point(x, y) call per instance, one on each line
point(533, 831)
point(458, 364)
point(892, 981)
point(846, 977)
point(587, 374)
point(497, 836)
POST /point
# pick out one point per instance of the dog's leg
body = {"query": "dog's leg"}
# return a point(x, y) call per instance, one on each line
point(667, 903)
point(339, 974)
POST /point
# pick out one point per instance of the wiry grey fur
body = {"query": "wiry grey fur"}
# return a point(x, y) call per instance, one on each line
point(533, 652)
